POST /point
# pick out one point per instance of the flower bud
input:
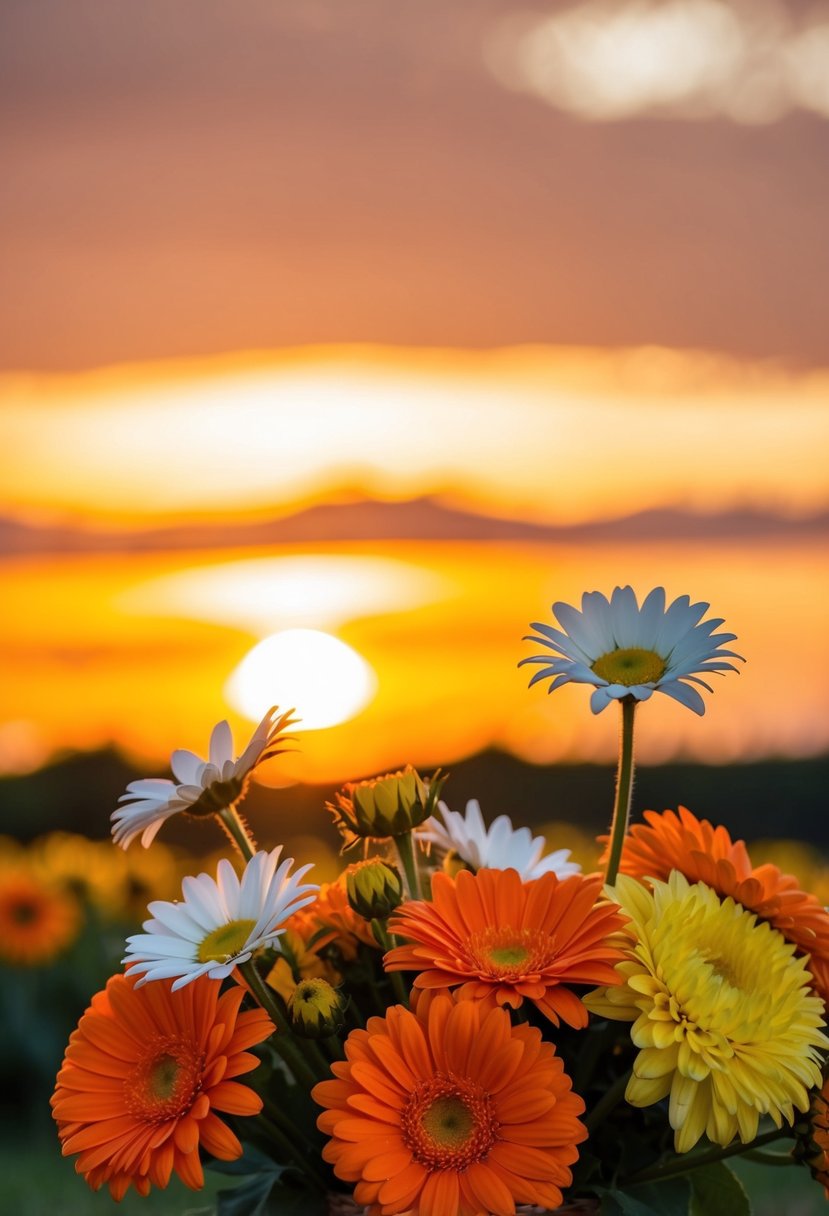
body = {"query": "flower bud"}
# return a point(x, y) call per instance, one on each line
point(385, 806)
point(316, 1009)
point(375, 888)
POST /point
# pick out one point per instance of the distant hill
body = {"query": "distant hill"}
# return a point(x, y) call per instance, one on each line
point(416, 519)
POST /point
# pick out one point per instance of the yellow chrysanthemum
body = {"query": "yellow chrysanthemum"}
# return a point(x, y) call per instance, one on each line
point(722, 1012)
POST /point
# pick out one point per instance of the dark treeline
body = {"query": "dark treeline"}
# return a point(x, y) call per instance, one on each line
point(770, 798)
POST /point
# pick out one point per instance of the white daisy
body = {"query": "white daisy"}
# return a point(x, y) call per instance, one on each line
point(628, 651)
point(501, 847)
point(220, 922)
point(201, 787)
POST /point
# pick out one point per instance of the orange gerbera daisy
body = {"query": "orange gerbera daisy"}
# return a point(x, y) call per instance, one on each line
point(332, 912)
point(703, 853)
point(459, 1113)
point(38, 920)
point(813, 1139)
point(143, 1074)
point(504, 940)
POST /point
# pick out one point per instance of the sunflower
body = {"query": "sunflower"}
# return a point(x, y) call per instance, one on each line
point(144, 1073)
point(459, 1113)
point(726, 1023)
point(38, 920)
point(201, 787)
point(627, 651)
point(503, 940)
point(703, 853)
point(220, 922)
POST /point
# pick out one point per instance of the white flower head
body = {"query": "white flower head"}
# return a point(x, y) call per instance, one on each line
point(201, 787)
point(628, 651)
point(499, 847)
point(220, 922)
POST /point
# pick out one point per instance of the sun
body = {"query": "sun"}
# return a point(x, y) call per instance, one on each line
point(325, 680)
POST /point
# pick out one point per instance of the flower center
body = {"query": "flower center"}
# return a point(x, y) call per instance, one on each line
point(165, 1082)
point(218, 796)
point(449, 1123)
point(24, 912)
point(630, 666)
point(223, 943)
point(509, 954)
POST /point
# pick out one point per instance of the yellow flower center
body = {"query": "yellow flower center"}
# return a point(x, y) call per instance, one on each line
point(448, 1123)
point(162, 1075)
point(630, 666)
point(509, 954)
point(166, 1081)
point(223, 943)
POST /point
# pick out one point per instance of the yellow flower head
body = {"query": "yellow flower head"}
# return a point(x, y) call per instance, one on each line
point(721, 1008)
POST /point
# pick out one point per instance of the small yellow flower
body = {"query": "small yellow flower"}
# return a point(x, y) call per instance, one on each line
point(374, 888)
point(316, 1009)
point(384, 806)
point(722, 1012)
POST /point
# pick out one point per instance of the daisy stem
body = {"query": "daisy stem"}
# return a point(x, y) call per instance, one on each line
point(624, 789)
point(235, 827)
point(378, 928)
point(406, 853)
point(611, 1098)
point(284, 1041)
point(691, 1161)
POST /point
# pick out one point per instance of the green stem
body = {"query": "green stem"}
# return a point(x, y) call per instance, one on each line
point(624, 789)
point(692, 1161)
point(757, 1154)
point(292, 1151)
point(406, 853)
point(236, 829)
point(610, 1098)
point(381, 934)
point(283, 1041)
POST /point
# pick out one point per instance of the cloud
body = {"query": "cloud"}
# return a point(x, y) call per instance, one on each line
point(610, 60)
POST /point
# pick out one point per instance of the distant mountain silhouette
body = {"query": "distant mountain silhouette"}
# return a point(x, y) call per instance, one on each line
point(416, 519)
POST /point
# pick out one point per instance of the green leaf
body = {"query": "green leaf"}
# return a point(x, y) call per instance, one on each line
point(668, 1198)
point(715, 1191)
point(247, 1199)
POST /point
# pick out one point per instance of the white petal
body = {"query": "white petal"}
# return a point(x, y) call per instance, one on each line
point(221, 744)
point(685, 695)
point(186, 766)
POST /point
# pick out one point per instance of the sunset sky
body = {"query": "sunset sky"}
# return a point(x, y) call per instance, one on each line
point(399, 324)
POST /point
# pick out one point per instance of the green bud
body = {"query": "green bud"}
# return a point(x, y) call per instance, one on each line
point(374, 888)
point(385, 806)
point(316, 1009)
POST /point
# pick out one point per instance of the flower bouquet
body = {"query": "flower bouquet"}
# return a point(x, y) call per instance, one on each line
point(463, 1024)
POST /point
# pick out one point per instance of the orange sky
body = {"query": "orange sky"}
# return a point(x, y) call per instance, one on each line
point(138, 648)
point(267, 259)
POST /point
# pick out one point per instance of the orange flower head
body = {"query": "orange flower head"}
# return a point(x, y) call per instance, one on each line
point(813, 1140)
point(38, 920)
point(144, 1073)
point(704, 853)
point(332, 912)
point(458, 1112)
point(503, 940)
